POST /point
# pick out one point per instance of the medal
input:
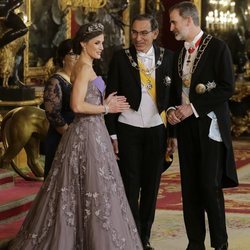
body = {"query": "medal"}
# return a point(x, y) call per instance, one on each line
point(149, 85)
point(200, 88)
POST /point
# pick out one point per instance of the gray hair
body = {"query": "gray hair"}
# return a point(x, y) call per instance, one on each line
point(187, 9)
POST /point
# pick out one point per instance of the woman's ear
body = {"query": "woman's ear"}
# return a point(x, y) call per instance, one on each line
point(83, 45)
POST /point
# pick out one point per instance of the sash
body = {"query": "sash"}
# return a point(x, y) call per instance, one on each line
point(149, 83)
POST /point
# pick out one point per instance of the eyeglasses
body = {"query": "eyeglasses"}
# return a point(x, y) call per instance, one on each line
point(73, 55)
point(143, 33)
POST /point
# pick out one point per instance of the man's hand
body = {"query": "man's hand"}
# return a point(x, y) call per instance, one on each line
point(171, 146)
point(183, 111)
point(115, 147)
point(172, 118)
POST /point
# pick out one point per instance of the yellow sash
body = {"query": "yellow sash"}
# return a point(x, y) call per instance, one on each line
point(148, 79)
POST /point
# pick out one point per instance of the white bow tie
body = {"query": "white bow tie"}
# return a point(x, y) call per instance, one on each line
point(146, 56)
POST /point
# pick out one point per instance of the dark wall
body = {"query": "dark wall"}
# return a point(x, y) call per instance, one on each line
point(167, 37)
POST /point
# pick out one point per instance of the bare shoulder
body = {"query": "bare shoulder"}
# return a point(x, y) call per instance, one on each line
point(82, 71)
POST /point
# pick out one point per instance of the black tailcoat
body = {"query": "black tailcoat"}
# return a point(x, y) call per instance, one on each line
point(214, 65)
point(125, 79)
point(141, 150)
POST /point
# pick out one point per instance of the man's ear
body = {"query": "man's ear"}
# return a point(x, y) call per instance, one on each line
point(156, 33)
point(189, 20)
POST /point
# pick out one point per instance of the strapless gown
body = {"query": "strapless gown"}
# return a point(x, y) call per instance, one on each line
point(82, 203)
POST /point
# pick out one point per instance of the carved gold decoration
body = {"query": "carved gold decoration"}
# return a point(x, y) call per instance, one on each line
point(247, 72)
point(142, 6)
point(241, 125)
point(8, 55)
point(242, 90)
point(23, 128)
point(40, 73)
point(35, 102)
point(89, 5)
point(198, 4)
point(158, 4)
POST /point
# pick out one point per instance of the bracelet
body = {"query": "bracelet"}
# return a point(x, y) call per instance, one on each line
point(106, 109)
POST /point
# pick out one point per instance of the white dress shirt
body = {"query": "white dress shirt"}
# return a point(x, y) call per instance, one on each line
point(147, 115)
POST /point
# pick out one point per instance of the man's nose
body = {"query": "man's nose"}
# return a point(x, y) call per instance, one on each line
point(138, 37)
point(171, 27)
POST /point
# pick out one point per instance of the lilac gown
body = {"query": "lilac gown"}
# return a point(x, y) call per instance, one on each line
point(82, 204)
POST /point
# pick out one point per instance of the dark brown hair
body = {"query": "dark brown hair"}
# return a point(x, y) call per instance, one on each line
point(85, 33)
point(153, 22)
point(63, 49)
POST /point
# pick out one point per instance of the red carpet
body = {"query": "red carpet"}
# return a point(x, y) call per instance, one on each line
point(10, 229)
point(168, 230)
point(15, 200)
point(23, 192)
point(168, 227)
point(169, 197)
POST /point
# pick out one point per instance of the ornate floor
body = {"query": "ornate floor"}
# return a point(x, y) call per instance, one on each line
point(168, 231)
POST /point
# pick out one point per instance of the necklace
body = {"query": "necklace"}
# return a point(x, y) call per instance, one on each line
point(186, 79)
point(191, 50)
point(148, 84)
point(146, 79)
point(146, 71)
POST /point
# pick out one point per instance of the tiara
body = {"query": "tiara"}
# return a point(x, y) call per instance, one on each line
point(95, 27)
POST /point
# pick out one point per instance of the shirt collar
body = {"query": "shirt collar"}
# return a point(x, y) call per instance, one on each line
point(192, 44)
point(148, 54)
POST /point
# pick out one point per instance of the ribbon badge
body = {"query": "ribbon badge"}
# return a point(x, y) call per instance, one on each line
point(202, 88)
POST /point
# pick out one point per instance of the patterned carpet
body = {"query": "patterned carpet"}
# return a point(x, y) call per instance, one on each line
point(168, 232)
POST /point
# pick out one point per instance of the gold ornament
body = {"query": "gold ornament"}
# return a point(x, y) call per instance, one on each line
point(186, 82)
point(89, 5)
point(200, 88)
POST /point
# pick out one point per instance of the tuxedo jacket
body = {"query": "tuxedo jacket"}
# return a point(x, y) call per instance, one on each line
point(213, 65)
point(125, 79)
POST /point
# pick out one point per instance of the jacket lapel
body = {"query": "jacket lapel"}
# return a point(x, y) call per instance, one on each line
point(201, 61)
point(135, 71)
point(158, 73)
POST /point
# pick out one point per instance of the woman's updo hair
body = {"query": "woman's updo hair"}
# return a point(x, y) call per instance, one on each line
point(63, 49)
point(85, 33)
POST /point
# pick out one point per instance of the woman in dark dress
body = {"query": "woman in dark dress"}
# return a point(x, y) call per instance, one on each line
point(56, 100)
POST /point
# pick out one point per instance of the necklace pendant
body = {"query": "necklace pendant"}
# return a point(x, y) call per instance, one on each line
point(149, 86)
point(186, 82)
